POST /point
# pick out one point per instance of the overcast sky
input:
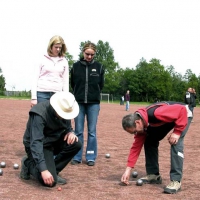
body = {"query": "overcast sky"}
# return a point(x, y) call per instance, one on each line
point(168, 30)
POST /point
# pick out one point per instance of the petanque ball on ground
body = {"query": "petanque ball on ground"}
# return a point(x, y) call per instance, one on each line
point(134, 174)
point(3, 165)
point(16, 166)
point(107, 155)
point(139, 182)
point(1, 172)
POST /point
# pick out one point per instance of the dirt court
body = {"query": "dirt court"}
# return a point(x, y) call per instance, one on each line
point(100, 182)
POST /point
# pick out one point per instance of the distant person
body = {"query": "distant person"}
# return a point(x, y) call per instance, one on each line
point(49, 140)
point(156, 100)
point(122, 100)
point(127, 99)
point(52, 75)
point(87, 81)
point(194, 96)
point(194, 103)
point(190, 99)
point(150, 125)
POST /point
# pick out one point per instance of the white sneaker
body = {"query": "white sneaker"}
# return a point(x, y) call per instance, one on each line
point(173, 187)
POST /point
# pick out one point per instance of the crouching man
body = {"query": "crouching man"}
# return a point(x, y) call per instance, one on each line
point(49, 140)
point(150, 125)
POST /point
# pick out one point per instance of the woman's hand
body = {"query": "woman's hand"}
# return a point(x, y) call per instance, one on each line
point(33, 102)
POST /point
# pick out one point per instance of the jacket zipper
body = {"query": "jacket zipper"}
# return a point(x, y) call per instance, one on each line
point(86, 83)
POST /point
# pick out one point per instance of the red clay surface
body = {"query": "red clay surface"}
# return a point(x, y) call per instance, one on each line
point(100, 182)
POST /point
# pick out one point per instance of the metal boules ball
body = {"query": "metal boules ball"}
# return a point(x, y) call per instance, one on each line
point(107, 155)
point(16, 166)
point(1, 172)
point(134, 174)
point(2, 164)
point(139, 182)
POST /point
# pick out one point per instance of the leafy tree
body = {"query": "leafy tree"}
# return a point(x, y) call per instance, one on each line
point(198, 88)
point(112, 83)
point(148, 81)
point(188, 74)
point(105, 55)
point(69, 59)
point(191, 81)
point(178, 83)
point(130, 81)
point(151, 81)
point(2, 82)
point(123, 81)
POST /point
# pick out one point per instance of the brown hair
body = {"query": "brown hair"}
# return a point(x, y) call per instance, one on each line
point(89, 45)
point(57, 40)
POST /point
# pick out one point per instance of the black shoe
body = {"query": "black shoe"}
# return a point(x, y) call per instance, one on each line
point(24, 174)
point(152, 179)
point(61, 181)
point(75, 162)
point(90, 163)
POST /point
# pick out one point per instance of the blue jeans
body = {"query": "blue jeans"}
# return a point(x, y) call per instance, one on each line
point(127, 105)
point(43, 96)
point(91, 111)
point(192, 110)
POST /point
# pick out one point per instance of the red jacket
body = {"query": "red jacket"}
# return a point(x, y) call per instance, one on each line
point(165, 113)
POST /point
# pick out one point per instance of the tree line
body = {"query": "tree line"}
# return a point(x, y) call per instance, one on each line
point(147, 82)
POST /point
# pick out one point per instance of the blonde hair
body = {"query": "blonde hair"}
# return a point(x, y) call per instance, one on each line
point(57, 40)
point(89, 45)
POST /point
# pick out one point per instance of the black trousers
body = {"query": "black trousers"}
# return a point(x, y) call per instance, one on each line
point(55, 164)
point(154, 135)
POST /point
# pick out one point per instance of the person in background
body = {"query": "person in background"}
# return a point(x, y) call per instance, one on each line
point(127, 99)
point(87, 81)
point(194, 103)
point(194, 97)
point(190, 99)
point(52, 74)
point(122, 100)
point(49, 140)
point(150, 125)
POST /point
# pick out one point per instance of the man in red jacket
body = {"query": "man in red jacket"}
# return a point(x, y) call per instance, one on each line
point(150, 125)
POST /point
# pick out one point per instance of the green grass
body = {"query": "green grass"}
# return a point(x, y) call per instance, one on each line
point(135, 103)
point(13, 97)
point(114, 102)
point(29, 98)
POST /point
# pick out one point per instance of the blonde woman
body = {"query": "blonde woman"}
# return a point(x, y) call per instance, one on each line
point(87, 80)
point(52, 75)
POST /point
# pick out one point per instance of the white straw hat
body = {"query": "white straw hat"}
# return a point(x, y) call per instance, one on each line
point(65, 105)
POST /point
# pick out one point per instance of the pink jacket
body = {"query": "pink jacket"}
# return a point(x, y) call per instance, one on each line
point(52, 75)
